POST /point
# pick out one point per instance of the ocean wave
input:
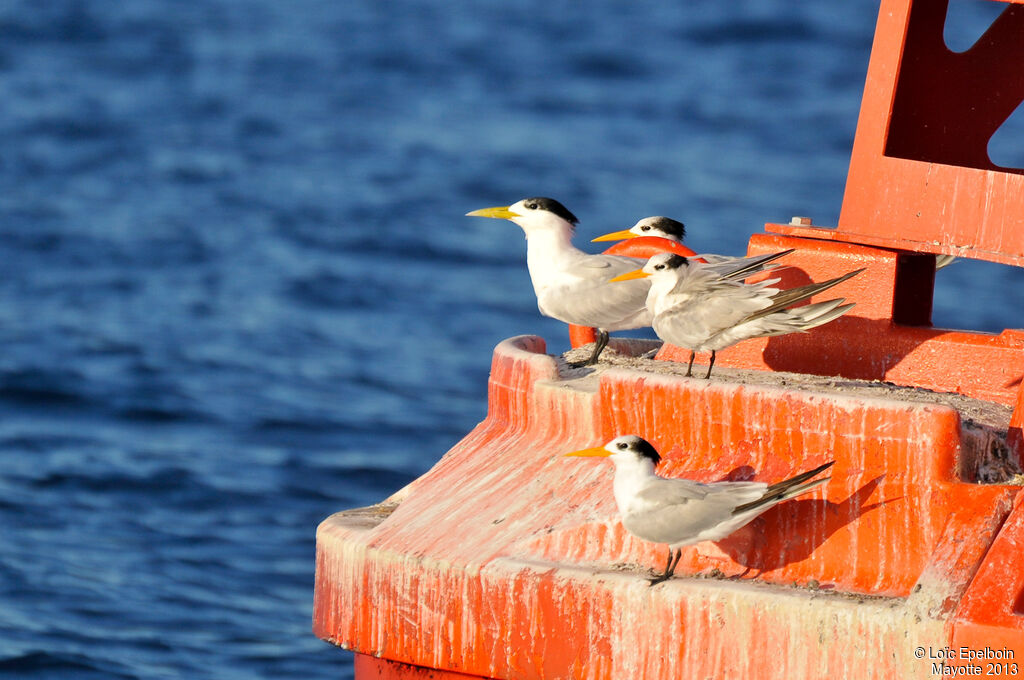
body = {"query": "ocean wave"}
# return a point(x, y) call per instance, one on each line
point(44, 665)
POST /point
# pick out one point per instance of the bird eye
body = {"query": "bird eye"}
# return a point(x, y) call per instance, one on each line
point(659, 266)
point(646, 227)
point(622, 446)
point(530, 206)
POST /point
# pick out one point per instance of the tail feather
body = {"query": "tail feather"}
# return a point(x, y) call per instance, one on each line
point(745, 266)
point(789, 488)
point(827, 315)
point(801, 319)
point(786, 298)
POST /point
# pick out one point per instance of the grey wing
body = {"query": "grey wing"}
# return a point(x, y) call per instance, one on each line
point(675, 491)
point(742, 267)
point(675, 515)
point(707, 310)
point(617, 263)
point(712, 258)
point(589, 299)
point(672, 491)
point(706, 278)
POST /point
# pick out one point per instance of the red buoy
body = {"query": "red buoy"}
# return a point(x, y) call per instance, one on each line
point(507, 560)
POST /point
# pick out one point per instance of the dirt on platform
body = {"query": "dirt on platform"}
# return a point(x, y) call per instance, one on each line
point(984, 458)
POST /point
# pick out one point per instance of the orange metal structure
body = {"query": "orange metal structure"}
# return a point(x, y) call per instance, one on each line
point(508, 561)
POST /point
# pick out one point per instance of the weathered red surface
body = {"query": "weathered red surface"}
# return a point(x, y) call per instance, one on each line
point(372, 668)
point(920, 177)
point(991, 613)
point(507, 560)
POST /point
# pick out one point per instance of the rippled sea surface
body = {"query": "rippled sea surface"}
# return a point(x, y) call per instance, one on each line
point(238, 293)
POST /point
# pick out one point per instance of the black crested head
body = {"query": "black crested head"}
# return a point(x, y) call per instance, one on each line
point(675, 261)
point(669, 226)
point(552, 206)
point(665, 262)
point(645, 450)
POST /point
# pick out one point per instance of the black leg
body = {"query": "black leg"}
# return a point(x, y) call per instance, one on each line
point(675, 563)
point(670, 567)
point(710, 364)
point(599, 345)
point(689, 369)
point(602, 342)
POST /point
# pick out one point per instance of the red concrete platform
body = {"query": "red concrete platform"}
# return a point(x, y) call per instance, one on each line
point(507, 560)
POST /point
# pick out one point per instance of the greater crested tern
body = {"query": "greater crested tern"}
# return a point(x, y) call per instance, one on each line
point(697, 307)
point(660, 226)
point(681, 512)
point(571, 285)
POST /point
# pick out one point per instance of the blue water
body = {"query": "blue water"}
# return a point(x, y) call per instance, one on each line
point(238, 293)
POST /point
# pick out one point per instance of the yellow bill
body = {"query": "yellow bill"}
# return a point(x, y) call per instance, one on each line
point(590, 453)
point(615, 236)
point(501, 212)
point(628, 276)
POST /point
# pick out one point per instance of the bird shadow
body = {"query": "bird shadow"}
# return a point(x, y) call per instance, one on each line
point(807, 353)
point(791, 531)
point(884, 349)
point(742, 473)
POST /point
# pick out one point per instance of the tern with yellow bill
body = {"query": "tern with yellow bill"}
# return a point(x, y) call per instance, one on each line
point(696, 307)
point(571, 285)
point(661, 227)
point(681, 512)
